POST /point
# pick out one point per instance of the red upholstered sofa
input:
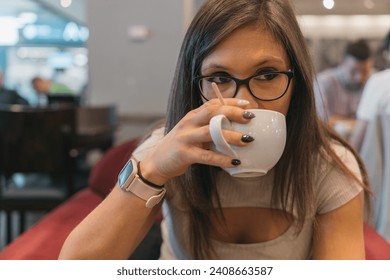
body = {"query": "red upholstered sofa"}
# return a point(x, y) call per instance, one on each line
point(44, 240)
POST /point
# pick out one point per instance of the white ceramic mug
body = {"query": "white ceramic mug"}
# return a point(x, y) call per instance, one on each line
point(268, 129)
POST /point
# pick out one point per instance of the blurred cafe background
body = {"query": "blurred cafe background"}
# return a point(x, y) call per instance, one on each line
point(116, 59)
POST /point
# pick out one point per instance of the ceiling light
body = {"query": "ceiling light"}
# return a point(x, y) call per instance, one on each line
point(328, 4)
point(27, 17)
point(66, 3)
point(9, 31)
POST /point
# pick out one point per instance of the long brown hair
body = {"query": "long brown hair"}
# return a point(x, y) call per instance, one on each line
point(307, 137)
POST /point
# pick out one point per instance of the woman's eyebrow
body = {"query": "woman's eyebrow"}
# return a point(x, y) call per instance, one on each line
point(214, 66)
point(264, 60)
point(271, 59)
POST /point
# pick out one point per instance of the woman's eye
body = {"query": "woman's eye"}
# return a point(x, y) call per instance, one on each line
point(219, 79)
point(266, 76)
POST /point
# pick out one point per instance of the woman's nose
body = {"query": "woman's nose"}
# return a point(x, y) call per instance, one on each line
point(244, 93)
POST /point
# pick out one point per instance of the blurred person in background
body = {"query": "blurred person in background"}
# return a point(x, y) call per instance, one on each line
point(375, 97)
point(8, 96)
point(338, 90)
point(45, 87)
point(369, 137)
point(48, 86)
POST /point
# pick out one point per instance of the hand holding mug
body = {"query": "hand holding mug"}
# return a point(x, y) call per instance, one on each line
point(268, 129)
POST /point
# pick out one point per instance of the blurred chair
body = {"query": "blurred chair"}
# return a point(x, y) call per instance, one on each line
point(58, 99)
point(95, 128)
point(35, 142)
point(44, 240)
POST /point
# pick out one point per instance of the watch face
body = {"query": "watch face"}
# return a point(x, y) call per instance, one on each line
point(125, 173)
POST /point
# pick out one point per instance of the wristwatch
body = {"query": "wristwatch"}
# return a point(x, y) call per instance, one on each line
point(130, 179)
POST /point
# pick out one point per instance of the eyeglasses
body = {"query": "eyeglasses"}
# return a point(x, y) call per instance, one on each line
point(267, 86)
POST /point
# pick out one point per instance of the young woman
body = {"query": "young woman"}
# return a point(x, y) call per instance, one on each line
point(310, 205)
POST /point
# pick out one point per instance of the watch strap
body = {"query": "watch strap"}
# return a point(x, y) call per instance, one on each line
point(130, 181)
point(151, 195)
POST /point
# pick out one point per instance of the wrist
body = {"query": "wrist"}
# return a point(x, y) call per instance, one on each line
point(146, 181)
point(148, 174)
point(130, 181)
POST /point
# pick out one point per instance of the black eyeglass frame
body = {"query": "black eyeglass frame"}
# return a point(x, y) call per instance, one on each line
point(239, 82)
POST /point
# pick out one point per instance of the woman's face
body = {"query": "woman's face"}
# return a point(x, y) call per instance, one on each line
point(246, 52)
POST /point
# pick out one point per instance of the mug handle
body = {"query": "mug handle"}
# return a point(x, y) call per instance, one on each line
point(216, 124)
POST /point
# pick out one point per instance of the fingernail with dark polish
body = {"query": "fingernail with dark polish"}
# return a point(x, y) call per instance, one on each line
point(247, 138)
point(248, 115)
point(236, 162)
